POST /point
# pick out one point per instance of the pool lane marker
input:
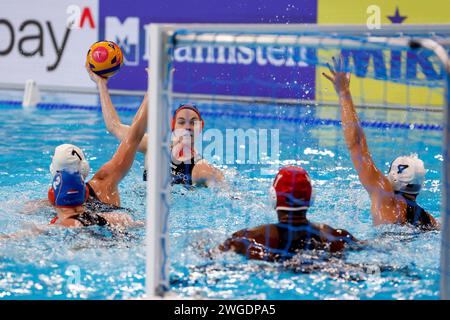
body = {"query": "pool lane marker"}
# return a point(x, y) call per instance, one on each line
point(241, 115)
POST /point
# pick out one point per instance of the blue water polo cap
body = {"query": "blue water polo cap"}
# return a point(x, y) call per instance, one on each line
point(68, 189)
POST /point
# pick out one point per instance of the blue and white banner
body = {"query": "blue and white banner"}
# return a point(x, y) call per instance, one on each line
point(213, 70)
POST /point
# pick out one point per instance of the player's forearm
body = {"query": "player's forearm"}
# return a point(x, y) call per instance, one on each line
point(125, 154)
point(32, 206)
point(238, 245)
point(110, 115)
point(144, 102)
point(139, 126)
point(21, 234)
point(353, 133)
point(141, 118)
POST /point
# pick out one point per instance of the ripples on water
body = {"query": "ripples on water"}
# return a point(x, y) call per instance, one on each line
point(400, 262)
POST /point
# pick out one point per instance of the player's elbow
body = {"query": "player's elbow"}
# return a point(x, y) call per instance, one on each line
point(353, 140)
point(225, 246)
point(117, 130)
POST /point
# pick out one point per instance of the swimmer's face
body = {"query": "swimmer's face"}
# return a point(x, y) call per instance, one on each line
point(189, 120)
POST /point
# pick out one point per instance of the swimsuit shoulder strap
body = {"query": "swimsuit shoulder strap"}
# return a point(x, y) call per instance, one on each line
point(91, 191)
point(415, 214)
point(94, 204)
point(182, 172)
point(90, 219)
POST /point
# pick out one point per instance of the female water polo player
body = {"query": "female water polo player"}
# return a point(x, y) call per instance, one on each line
point(187, 167)
point(291, 195)
point(393, 197)
point(102, 193)
point(70, 196)
point(75, 208)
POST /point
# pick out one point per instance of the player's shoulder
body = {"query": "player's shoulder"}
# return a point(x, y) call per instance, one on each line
point(321, 226)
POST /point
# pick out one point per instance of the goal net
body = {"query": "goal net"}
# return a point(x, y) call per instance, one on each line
point(264, 83)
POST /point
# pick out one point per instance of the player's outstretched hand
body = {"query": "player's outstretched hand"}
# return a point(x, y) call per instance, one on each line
point(339, 78)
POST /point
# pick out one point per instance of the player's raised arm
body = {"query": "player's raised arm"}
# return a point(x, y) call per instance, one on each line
point(370, 176)
point(115, 169)
point(110, 115)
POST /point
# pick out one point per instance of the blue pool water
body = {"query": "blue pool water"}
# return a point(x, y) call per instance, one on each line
point(401, 263)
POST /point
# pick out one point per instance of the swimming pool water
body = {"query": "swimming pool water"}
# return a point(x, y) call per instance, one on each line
point(400, 263)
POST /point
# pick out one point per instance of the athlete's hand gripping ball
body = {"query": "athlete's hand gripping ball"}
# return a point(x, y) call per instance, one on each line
point(104, 58)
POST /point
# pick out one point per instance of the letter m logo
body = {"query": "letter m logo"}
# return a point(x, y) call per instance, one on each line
point(126, 35)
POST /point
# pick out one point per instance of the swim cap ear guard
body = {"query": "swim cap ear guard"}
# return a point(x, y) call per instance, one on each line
point(291, 190)
point(71, 158)
point(273, 198)
point(407, 174)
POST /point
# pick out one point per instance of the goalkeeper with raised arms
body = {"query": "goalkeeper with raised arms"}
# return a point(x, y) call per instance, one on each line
point(393, 197)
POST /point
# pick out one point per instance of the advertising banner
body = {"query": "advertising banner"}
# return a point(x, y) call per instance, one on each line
point(207, 69)
point(47, 45)
point(401, 69)
point(50, 46)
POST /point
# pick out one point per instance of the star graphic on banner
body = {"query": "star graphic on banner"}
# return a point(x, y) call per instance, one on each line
point(397, 18)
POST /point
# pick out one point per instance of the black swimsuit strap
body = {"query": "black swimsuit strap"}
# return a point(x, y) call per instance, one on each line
point(182, 172)
point(88, 219)
point(94, 204)
point(91, 191)
point(415, 214)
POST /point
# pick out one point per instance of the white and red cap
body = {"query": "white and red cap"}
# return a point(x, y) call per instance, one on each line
point(407, 174)
point(70, 158)
point(291, 189)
